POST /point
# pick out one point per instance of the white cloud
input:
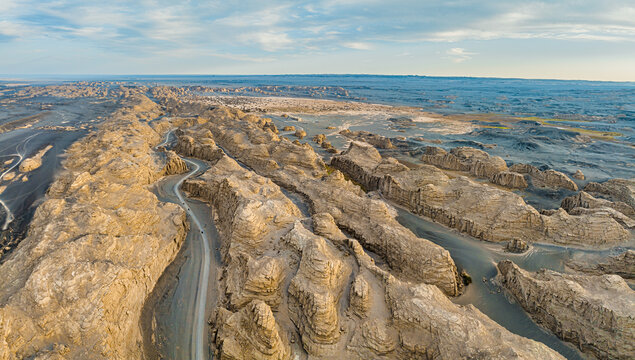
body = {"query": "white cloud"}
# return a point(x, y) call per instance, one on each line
point(269, 41)
point(459, 55)
point(14, 29)
point(358, 45)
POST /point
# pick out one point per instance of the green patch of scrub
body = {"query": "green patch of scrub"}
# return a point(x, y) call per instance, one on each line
point(548, 120)
point(595, 134)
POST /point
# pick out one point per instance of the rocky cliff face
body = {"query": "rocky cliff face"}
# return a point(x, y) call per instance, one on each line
point(584, 202)
point(547, 178)
point(465, 158)
point(480, 164)
point(593, 312)
point(75, 286)
point(298, 167)
point(474, 208)
point(294, 286)
point(622, 265)
point(615, 189)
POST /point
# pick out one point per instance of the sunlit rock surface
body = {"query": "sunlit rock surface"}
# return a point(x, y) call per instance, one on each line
point(594, 312)
point(75, 286)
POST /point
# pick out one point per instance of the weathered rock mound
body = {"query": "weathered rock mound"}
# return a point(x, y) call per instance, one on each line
point(593, 312)
point(465, 158)
point(300, 270)
point(75, 286)
point(547, 178)
point(615, 189)
point(477, 209)
point(622, 265)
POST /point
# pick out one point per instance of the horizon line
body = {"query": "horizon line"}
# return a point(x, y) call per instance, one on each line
point(16, 77)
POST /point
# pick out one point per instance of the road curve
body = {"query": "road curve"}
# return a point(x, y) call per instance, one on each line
point(198, 325)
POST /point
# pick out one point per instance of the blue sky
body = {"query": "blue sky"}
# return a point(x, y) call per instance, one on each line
point(579, 39)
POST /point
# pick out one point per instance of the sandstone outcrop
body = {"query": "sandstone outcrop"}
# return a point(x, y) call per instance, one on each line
point(319, 139)
point(359, 298)
point(476, 162)
point(315, 291)
point(584, 203)
point(579, 175)
point(547, 178)
point(174, 164)
point(378, 141)
point(426, 324)
point(35, 161)
point(251, 333)
point(593, 312)
point(288, 128)
point(615, 189)
point(203, 148)
point(516, 246)
point(302, 267)
point(298, 167)
point(477, 209)
point(300, 134)
point(510, 179)
point(622, 265)
point(587, 201)
point(75, 286)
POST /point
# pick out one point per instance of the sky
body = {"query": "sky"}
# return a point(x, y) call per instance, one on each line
point(559, 39)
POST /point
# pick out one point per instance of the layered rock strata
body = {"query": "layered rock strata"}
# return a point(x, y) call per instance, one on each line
point(75, 286)
point(324, 301)
point(474, 208)
point(596, 313)
point(615, 189)
point(298, 167)
point(622, 265)
point(379, 141)
point(464, 158)
point(547, 178)
point(584, 202)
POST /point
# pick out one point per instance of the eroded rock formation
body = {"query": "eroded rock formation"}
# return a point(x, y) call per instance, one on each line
point(303, 270)
point(615, 189)
point(584, 202)
point(593, 312)
point(75, 286)
point(474, 208)
point(465, 158)
point(379, 141)
point(547, 178)
point(622, 265)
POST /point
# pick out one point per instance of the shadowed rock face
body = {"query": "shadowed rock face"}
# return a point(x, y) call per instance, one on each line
point(622, 265)
point(474, 208)
point(615, 189)
point(585, 203)
point(548, 178)
point(326, 303)
point(593, 312)
point(251, 333)
point(75, 286)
